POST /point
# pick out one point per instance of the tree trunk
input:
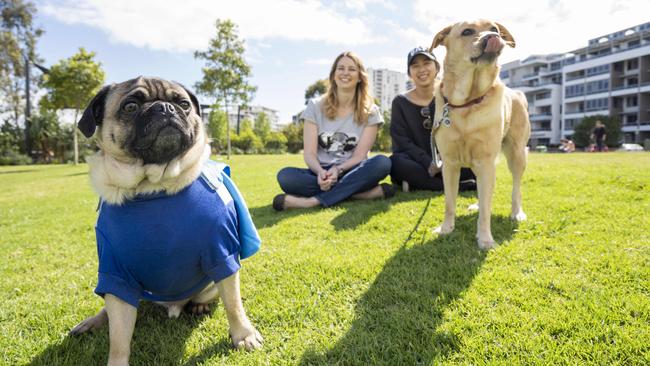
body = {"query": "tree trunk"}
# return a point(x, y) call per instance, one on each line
point(227, 125)
point(76, 141)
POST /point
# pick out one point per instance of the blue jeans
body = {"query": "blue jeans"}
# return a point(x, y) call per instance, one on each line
point(363, 177)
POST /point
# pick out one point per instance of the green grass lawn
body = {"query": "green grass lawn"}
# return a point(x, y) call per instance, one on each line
point(364, 282)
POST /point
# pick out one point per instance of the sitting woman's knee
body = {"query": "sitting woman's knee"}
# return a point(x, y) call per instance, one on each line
point(383, 164)
point(284, 177)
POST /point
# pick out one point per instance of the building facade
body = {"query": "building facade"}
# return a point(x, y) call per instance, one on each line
point(385, 85)
point(238, 114)
point(610, 76)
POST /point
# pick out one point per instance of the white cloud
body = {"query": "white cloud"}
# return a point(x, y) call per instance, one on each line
point(539, 27)
point(319, 61)
point(386, 62)
point(361, 5)
point(187, 26)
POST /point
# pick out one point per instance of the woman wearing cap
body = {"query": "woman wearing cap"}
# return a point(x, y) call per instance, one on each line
point(411, 120)
point(340, 128)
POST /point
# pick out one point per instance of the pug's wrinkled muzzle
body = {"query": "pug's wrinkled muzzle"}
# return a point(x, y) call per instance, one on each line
point(161, 135)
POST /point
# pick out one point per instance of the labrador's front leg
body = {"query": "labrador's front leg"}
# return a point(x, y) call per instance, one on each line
point(121, 321)
point(243, 333)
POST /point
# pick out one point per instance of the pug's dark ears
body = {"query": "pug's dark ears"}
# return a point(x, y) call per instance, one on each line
point(94, 113)
point(440, 37)
point(506, 35)
point(194, 100)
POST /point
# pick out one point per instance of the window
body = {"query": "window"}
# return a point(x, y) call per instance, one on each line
point(597, 86)
point(574, 90)
point(597, 104)
point(631, 119)
point(631, 101)
point(602, 69)
point(633, 64)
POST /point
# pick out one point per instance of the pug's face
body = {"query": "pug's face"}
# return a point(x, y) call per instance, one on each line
point(144, 118)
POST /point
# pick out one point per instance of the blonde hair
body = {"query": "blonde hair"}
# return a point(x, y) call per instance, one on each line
point(362, 99)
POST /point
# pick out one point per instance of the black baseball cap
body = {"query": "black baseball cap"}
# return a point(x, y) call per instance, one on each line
point(420, 51)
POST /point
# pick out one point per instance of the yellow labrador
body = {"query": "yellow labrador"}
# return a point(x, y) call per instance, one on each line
point(479, 116)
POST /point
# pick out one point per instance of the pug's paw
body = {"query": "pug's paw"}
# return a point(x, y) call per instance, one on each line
point(247, 338)
point(90, 324)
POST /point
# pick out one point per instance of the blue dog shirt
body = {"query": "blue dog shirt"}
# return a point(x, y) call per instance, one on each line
point(163, 247)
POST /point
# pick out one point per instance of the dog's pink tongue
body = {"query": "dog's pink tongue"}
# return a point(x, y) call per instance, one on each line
point(493, 45)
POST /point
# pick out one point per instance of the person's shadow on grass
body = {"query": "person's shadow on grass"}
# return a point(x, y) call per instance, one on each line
point(397, 319)
point(157, 340)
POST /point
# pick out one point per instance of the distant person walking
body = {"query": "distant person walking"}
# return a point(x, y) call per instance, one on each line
point(599, 135)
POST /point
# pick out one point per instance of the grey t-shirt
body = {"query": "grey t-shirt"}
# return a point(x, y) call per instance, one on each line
point(337, 138)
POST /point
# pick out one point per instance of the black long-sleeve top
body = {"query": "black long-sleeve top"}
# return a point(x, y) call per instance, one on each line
point(407, 132)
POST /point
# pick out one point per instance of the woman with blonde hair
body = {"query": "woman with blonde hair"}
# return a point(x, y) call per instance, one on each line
point(339, 131)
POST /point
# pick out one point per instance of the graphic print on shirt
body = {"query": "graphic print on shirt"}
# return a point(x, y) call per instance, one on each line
point(337, 143)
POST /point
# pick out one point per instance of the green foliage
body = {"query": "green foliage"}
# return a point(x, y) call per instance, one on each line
point(217, 121)
point(275, 143)
point(294, 134)
point(363, 282)
point(318, 88)
point(18, 37)
point(262, 126)
point(225, 72)
point(11, 138)
point(73, 82)
point(45, 134)
point(247, 142)
point(582, 132)
point(383, 141)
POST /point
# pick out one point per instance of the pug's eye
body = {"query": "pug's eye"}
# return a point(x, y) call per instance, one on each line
point(130, 107)
point(467, 32)
point(184, 104)
point(494, 29)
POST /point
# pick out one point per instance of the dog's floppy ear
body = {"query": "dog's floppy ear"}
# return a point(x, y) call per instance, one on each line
point(194, 100)
point(94, 113)
point(440, 37)
point(506, 35)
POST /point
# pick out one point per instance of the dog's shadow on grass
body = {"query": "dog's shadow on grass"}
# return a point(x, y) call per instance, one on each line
point(157, 340)
point(358, 213)
point(398, 318)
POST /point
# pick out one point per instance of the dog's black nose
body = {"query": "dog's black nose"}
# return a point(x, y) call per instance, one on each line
point(163, 108)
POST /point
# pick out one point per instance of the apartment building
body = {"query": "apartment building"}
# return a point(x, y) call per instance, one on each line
point(610, 76)
point(237, 114)
point(385, 85)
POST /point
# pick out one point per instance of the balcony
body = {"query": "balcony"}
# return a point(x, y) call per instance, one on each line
point(528, 76)
point(540, 117)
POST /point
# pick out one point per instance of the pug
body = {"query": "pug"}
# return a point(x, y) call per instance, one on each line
point(164, 234)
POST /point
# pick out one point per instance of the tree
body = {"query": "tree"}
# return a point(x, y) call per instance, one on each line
point(18, 39)
point(293, 132)
point(318, 88)
point(246, 140)
point(225, 72)
point(72, 83)
point(217, 121)
point(582, 132)
point(44, 133)
point(383, 141)
point(276, 142)
point(262, 126)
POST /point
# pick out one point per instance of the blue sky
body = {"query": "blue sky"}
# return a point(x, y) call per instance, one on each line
point(290, 44)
